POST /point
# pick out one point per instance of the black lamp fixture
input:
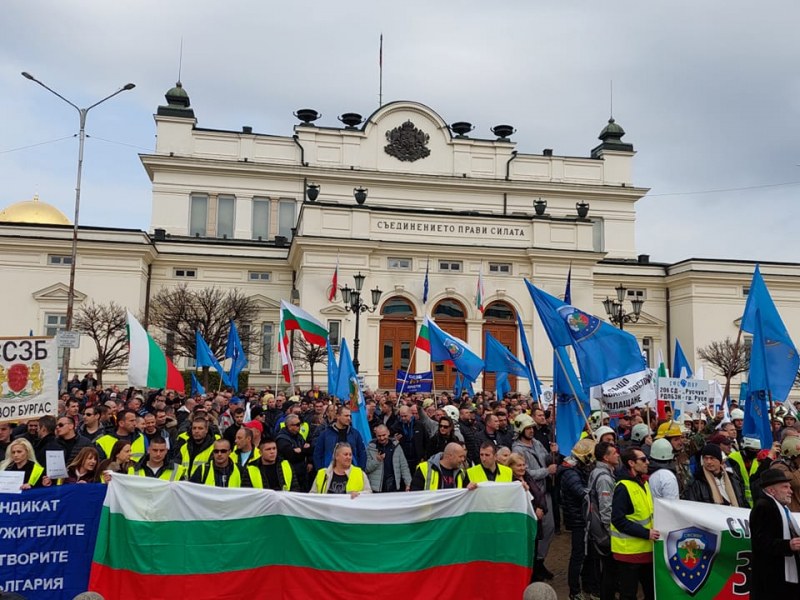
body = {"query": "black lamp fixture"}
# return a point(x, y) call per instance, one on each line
point(352, 303)
point(616, 311)
point(312, 192)
point(360, 194)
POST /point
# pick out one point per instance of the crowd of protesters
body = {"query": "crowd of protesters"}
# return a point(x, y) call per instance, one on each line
point(600, 491)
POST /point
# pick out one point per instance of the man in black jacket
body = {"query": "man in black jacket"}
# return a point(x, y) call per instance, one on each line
point(713, 484)
point(775, 540)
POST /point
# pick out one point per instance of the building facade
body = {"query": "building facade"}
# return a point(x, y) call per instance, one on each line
point(391, 197)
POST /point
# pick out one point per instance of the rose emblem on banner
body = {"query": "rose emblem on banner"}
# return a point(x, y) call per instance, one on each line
point(19, 380)
point(690, 554)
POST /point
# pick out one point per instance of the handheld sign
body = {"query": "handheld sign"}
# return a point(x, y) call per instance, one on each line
point(28, 378)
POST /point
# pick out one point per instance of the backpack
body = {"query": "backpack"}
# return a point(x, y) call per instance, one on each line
point(596, 531)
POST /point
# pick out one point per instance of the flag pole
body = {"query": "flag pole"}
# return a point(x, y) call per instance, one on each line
point(410, 362)
point(380, 74)
point(572, 388)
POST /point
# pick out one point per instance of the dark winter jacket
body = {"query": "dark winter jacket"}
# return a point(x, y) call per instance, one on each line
point(574, 482)
point(699, 490)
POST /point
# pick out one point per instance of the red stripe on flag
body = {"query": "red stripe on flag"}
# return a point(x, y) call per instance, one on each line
point(466, 580)
point(174, 377)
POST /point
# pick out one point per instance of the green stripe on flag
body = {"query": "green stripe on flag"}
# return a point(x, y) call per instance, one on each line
point(196, 547)
point(156, 365)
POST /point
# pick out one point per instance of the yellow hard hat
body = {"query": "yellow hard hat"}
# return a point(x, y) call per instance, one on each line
point(668, 430)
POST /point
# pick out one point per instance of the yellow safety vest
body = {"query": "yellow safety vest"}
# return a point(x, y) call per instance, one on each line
point(258, 482)
point(36, 474)
point(739, 460)
point(255, 454)
point(355, 481)
point(503, 475)
point(201, 460)
point(303, 429)
point(431, 477)
point(175, 473)
point(235, 480)
point(107, 441)
point(642, 500)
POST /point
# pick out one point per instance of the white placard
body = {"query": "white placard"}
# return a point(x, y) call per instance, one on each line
point(28, 378)
point(689, 391)
point(68, 339)
point(56, 469)
point(11, 482)
point(619, 395)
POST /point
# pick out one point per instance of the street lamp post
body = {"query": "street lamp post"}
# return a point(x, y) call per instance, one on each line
point(82, 112)
point(616, 311)
point(352, 302)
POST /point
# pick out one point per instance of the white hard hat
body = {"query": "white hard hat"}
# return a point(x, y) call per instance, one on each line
point(752, 443)
point(601, 431)
point(451, 411)
point(737, 413)
point(662, 450)
point(639, 432)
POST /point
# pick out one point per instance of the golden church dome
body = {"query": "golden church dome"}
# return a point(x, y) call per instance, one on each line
point(33, 211)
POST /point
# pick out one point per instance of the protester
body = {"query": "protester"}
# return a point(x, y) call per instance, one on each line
point(387, 468)
point(341, 476)
point(293, 448)
point(69, 440)
point(789, 464)
point(443, 470)
point(5, 439)
point(601, 491)
point(341, 431)
point(632, 532)
point(195, 451)
point(83, 468)
point(154, 464)
point(747, 466)
point(488, 469)
point(662, 480)
point(221, 471)
point(713, 484)
point(21, 457)
point(119, 461)
point(775, 541)
point(268, 472)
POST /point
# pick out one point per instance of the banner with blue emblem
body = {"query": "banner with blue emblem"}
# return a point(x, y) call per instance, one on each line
point(413, 382)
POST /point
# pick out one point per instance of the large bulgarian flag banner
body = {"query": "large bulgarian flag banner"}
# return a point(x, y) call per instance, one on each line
point(166, 540)
point(704, 551)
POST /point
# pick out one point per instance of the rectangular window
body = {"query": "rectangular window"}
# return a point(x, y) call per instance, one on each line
point(286, 217)
point(405, 355)
point(267, 346)
point(244, 336)
point(53, 323)
point(647, 350)
point(261, 218)
point(500, 268)
point(450, 266)
point(226, 209)
point(399, 264)
point(388, 356)
point(598, 234)
point(259, 276)
point(746, 291)
point(59, 259)
point(334, 332)
point(198, 215)
point(636, 294)
point(186, 273)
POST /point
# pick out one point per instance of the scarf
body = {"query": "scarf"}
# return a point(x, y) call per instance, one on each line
point(789, 529)
point(710, 479)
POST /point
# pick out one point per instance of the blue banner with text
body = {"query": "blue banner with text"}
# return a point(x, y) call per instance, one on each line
point(47, 539)
point(414, 382)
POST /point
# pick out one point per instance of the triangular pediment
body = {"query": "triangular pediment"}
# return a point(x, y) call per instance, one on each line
point(265, 303)
point(334, 309)
point(648, 319)
point(58, 292)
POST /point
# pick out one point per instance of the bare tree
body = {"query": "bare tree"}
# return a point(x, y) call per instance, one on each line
point(105, 325)
point(180, 311)
point(309, 354)
point(728, 358)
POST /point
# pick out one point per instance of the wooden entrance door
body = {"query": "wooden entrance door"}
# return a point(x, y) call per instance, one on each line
point(398, 332)
point(500, 319)
point(451, 317)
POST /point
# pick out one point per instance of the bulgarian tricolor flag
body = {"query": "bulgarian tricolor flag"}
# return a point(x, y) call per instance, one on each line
point(294, 318)
point(443, 544)
point(661, 372)
point(148, 366)
point(424, 337)
point(480, 293)
point(334, 281)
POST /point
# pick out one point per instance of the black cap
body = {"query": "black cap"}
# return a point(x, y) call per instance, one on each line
point(772, 476)
point(712, 450)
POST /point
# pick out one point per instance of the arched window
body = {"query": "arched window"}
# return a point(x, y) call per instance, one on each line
point(450, 309)
point(500, 311)
point(397, 307)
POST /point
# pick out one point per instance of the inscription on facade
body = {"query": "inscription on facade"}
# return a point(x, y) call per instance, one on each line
point(488, 231)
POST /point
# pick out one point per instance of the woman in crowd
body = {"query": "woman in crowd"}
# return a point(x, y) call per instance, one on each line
point(20, 457)
point(341, 477)
point(83, 469)
point(118, 462)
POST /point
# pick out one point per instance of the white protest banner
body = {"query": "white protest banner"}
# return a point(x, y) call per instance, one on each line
point(28, 378)
point(56, 467)
point(685, 394)
point(618, 395)
point(11, 482)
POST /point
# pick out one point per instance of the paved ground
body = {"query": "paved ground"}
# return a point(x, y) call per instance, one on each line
point(557, 561)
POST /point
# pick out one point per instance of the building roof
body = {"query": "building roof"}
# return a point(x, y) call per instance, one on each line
point(33, 211)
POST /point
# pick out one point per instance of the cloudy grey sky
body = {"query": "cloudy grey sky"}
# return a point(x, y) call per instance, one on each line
point(709, 93)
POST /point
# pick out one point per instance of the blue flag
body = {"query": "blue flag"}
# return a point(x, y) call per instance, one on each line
point(196, 387)
point(425, 286)
point(462, 384)
point(502, 385)
point(756, 411)
point(204, 358)
point(499, 359)
point(533, 379)
point(333, 370)
point(349, 392)
point(782, 361)
point(680, 366)
point(236, 353)
point(446, 347)
point(602, 351)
